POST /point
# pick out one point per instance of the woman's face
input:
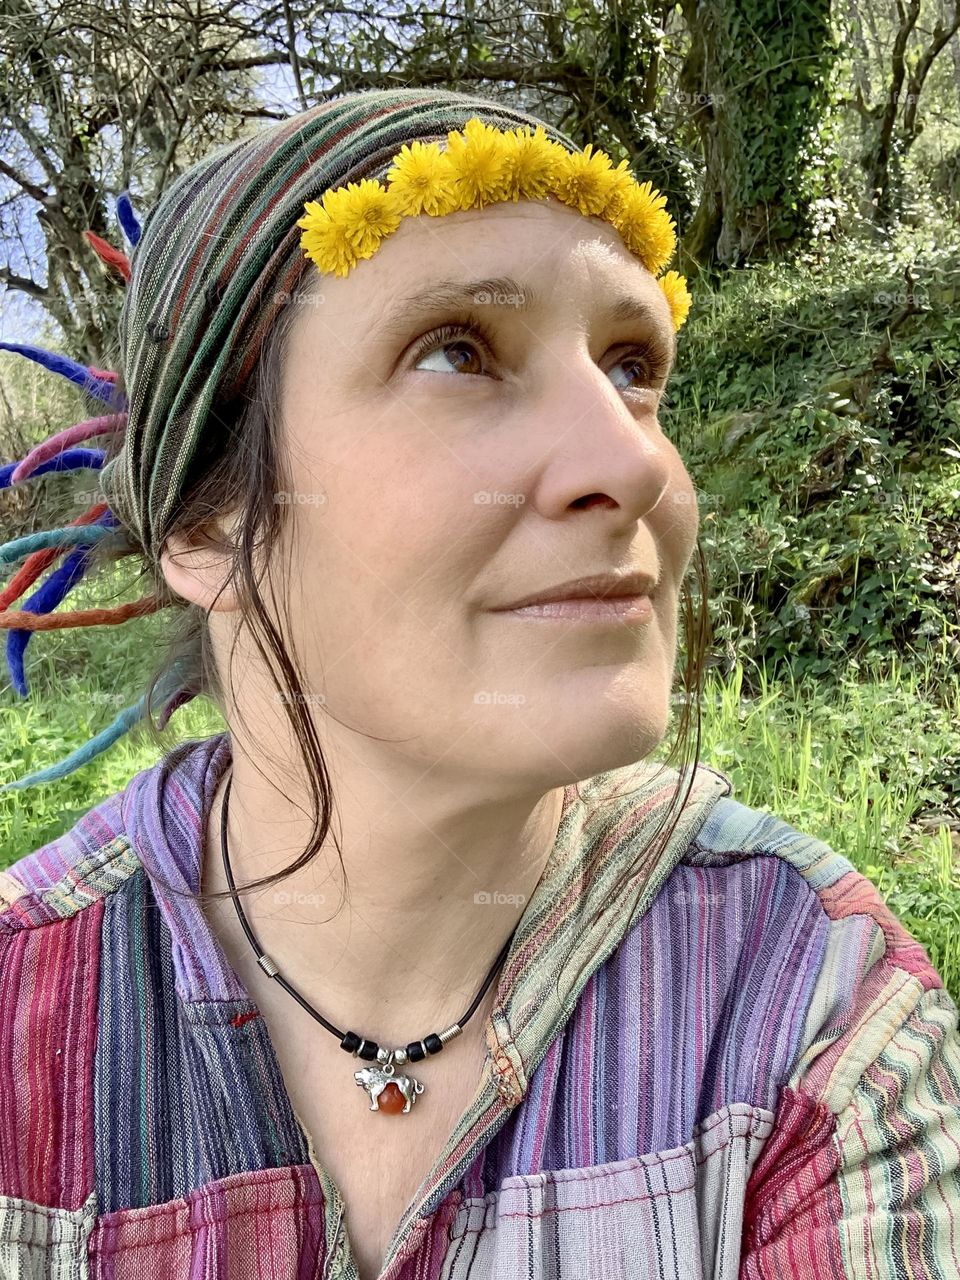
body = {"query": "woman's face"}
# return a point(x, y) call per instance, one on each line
point(438, 476)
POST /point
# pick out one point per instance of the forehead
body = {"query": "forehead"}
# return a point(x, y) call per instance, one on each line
point(540, 258)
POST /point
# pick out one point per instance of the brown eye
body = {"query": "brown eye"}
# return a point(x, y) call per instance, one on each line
point(451, 338)
point(459, 349)
point(647, 366)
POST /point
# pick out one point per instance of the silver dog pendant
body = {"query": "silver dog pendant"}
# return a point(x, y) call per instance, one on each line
point(395, 1100)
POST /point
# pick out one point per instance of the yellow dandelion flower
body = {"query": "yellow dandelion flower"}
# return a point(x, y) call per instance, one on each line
point(530, 163)
point(334, 201)
point(482, 165)
point(622, 181)
point(646, 228)
point(369, 211)
point(313, 210)
point(476, 155)
point(325, 241)
point(675, 290)
point(422, 180)
point(585, 180)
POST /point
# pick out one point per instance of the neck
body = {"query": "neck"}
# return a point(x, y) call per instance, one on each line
point(435, 885)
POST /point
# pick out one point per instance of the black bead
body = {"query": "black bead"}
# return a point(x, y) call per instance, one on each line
point(350, 1041)
point(369, 1050)
point(415, 1051)
point(433, 1044)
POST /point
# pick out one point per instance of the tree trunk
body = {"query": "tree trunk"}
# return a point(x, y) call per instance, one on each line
point(754, 83)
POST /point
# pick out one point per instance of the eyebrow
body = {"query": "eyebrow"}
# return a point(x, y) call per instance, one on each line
point(506, 294)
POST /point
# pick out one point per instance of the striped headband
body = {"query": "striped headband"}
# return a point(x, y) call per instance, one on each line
point(214, 261)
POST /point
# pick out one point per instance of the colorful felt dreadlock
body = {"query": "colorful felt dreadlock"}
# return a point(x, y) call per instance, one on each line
point(217, 258)
point(42, 549)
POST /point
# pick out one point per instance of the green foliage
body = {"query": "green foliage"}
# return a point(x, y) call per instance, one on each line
point(823, 443)
point(770, 73)
point(36, 734)
point(79, 681)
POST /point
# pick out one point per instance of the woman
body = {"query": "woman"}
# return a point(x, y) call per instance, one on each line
point(393, 451)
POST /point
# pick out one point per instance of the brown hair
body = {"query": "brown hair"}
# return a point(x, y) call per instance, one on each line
point(240, 468)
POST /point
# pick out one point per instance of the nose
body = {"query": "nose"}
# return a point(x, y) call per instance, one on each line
point(604, 448)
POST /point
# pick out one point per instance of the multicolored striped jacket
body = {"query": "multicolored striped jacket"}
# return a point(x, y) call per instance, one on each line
point(756, 1073)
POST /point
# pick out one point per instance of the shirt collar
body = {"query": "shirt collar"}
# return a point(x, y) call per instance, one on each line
point(606, 866)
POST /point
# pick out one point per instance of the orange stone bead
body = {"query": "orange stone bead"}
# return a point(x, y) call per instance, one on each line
point(391, 1099)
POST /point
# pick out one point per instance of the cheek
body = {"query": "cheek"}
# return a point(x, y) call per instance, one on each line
point(677, 517)
point(389, 560)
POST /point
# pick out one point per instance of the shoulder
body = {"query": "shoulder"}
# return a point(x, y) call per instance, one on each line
point(811, 973)
point(764, 854)
point(52, 908)
point(825, 989)
point(71, 874)
point(799, 931)
point(149, 826)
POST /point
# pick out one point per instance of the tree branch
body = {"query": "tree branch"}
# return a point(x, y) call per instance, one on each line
point(29, 187)
point(24, 284)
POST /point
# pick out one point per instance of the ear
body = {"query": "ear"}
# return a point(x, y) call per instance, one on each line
point(197, 567)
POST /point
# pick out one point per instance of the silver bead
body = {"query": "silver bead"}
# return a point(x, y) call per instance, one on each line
point(400, 1056)
point(383, 1055)
point(267, 965)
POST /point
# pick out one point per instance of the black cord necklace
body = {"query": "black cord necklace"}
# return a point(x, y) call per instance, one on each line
point(391, 1093)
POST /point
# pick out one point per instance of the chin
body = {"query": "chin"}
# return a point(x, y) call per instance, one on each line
point(564, 744)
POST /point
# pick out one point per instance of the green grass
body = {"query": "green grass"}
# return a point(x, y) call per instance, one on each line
point(858, 763)
point(855, 762)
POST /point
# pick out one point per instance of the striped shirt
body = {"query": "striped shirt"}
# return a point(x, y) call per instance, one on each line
point(744, 1068)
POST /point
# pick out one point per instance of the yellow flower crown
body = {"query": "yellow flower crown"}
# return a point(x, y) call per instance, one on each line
point(482, 165)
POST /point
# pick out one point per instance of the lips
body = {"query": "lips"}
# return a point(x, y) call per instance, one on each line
point(600, 586)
